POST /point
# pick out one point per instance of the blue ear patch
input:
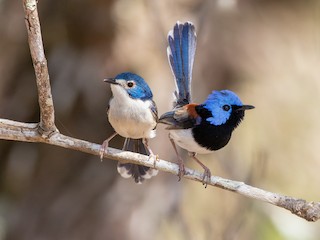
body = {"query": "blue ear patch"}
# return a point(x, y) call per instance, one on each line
point(220, 103)
point(141, 89)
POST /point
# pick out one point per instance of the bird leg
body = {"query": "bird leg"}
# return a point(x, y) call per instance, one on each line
point(182, 170)
point(207, 172)
point(105, 144)
point(151, 155)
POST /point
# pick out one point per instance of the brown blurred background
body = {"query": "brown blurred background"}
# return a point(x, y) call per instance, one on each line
point(266, 51)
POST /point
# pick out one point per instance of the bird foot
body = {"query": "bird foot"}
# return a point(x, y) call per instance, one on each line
point(105, 144)
point(155, 157)
point(182, 171)
point(103, 149)
point(206, 177)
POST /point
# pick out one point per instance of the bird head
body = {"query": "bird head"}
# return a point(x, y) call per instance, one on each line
point(225, 106)
point(130, 84)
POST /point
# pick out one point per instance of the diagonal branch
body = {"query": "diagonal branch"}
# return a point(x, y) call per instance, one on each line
point(46, 125)
point(27, 132)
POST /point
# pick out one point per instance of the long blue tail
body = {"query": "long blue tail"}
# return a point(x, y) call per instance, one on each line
point(181, 50)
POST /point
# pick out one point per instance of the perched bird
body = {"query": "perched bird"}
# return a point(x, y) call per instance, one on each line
point(133, 115)
point(198, 128)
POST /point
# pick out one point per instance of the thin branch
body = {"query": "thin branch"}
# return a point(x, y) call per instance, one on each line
point(47, 124)
point(27, 132)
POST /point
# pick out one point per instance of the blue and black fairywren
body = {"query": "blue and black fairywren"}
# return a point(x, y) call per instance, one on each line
point(198, 128)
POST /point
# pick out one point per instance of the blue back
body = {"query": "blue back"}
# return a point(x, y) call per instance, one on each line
point(181, 51)
point(215, 104)
point(141, 90)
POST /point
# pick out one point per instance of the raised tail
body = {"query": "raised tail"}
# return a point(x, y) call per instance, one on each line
point(181, 50)
point(138, 172)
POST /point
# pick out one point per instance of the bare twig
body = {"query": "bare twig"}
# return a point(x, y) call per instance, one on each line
point(29, 132)
point(46, 125)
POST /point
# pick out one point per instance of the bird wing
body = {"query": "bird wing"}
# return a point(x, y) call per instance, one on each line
point(154, 110)
point(181, 118)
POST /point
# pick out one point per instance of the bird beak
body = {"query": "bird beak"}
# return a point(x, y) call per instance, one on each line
point(245, 107)
point(110, 80)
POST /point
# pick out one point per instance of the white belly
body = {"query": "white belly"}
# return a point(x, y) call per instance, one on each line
point(184, 139)
point(132, 118)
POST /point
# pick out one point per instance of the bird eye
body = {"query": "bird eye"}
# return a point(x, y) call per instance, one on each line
point(130, 84)
point(226, 107)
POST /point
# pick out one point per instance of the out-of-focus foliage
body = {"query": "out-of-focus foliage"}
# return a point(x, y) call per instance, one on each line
point(266, 51)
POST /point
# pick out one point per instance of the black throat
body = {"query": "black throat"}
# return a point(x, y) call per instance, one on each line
point(215, 137)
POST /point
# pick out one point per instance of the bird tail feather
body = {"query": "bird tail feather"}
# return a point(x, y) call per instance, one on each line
point(181, 51)
point(138, 172)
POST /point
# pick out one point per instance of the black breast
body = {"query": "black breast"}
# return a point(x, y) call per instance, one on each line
point(210, 136)
point(215, 137)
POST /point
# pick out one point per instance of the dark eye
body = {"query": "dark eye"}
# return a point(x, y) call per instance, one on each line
point(226, 107)
point(130, 84)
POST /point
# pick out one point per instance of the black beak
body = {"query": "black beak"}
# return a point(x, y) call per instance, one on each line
point(110, 80)
point(245, 107)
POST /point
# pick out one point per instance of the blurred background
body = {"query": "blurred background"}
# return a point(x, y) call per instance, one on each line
point(266, 51)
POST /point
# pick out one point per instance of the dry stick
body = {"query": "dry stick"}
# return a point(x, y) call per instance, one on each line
point(29, 132)
point(46, 125)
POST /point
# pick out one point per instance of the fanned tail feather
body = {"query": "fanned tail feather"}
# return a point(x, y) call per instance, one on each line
point(182, 42)
point(138, 172)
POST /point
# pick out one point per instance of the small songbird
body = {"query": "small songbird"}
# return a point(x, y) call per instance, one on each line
point(133, 115)
point(198, 128)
